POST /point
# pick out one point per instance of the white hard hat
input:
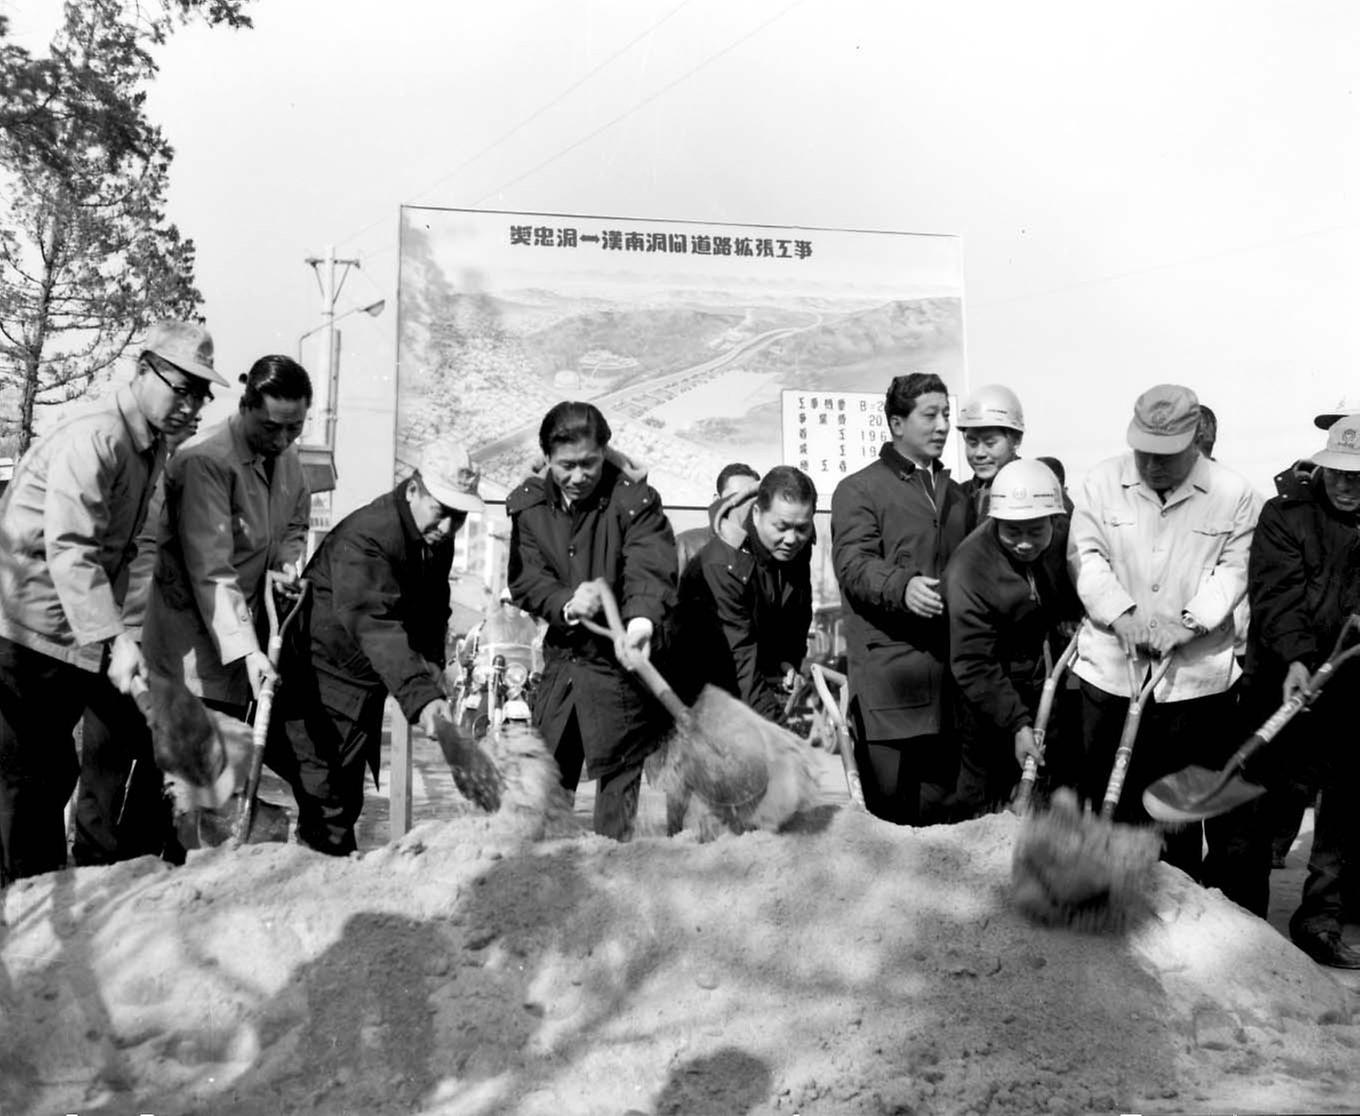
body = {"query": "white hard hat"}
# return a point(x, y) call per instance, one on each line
point(1343, 446)
point(1025, 489)
point(1348, 405)
point(993, 405)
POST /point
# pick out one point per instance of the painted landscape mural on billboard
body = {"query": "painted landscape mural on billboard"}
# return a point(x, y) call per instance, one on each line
point(685, 352)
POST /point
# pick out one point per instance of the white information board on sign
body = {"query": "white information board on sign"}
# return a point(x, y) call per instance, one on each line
point(831, 434)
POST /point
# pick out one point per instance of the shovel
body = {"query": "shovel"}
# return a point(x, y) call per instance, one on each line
point(836, 714)
point(725, 747)
point(1070, 868)
point(1046, 698)
point(264, 707)
point(1137, 701)
point(1195, 793)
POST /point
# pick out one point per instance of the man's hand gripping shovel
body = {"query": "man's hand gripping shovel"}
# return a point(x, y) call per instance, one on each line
point(295, 594)
point(1073, 867)
point(1195, 793)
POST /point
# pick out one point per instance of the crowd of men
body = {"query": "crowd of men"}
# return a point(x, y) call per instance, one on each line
point(116, 568)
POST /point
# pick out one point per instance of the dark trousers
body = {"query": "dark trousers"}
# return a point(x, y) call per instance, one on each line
point(41, 699)
point(323, 751)
point(1318, 750)
point(988, 772)
point(122, 810)
point(909, 781)
point(616, 791)
point(1204, 731)
point(1335, 855)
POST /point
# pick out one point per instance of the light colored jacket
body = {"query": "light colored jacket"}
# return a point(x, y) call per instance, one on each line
point(1188, 555)
point(68, 530)
point(222, 529)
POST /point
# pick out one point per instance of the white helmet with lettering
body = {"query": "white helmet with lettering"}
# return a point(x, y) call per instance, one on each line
point(1025, 489)
point(993, 405)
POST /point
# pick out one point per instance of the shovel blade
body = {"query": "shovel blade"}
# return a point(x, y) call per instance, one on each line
point(474, 772)
point(1196, 793)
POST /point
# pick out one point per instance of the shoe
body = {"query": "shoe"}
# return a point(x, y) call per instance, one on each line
point(1326, 948)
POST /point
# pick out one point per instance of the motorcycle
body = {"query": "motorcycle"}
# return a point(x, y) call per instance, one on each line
point(500, 665)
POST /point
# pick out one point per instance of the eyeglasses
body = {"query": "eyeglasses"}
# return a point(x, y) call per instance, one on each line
point(182, 391)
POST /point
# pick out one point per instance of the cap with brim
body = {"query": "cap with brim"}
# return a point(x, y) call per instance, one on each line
point(1348, 405)
point(186, 345)
point(450, 477)
point(1165, 419)
point(1343, 446)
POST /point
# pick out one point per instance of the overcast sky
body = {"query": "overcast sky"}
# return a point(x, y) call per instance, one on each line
point(1163, 191)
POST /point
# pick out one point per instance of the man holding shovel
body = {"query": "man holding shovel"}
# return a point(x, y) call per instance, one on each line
point(1161, 537)
point(591, 515)
point(373, 624)
point(69, 523)
point(1304, 583)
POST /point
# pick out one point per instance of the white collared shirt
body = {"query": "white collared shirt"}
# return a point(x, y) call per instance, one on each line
point(1187, 555)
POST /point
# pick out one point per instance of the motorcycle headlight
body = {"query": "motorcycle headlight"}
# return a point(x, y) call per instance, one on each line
point(480, 675)
point(516, 674)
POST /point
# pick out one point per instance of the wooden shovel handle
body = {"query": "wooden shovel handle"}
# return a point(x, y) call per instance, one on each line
point(1138, 699)
point(643, 668)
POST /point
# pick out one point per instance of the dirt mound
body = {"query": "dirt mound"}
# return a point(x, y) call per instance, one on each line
point(844, 967)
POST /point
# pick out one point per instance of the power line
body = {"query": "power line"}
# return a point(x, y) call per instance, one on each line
point(549, 104)
point(644, 102)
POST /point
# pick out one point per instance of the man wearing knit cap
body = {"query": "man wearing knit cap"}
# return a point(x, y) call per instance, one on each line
point(1160, 537)
point(69, 524)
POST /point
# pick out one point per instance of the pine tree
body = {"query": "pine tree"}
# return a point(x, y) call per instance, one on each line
point(87, 257)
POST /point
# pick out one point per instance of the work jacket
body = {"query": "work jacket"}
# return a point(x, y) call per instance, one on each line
point(1185, 556)
point(376, 615)
point(1001, 613)
point(619, 533)
point(69, 522)
point(744, 615)
point(887, 526)
point(223, 526)
point(1303, 578)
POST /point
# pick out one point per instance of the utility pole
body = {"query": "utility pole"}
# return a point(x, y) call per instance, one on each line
point(331, 274)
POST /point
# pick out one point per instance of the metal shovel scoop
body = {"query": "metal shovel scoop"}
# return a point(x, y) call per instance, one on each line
point(1195, 793)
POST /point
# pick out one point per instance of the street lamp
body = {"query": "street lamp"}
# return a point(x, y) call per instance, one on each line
point(373, 309)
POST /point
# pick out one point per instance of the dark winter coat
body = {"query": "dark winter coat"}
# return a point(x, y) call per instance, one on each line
point(743, 615)
point(1000, 613)
point(376, 615)
point(1303, 578)
point(619, 533)
point(886, 528)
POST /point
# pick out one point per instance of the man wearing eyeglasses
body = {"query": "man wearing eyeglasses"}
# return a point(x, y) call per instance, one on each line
point(69, 524)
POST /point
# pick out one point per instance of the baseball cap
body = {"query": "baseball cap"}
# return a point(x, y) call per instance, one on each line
point(1165, 419)
point(449, 475)
point(1343, 446)
point(1347, 405)
point(186, 345)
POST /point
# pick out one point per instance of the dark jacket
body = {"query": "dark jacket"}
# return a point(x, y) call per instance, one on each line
point(377, 612)
point(743, 615)
point(619, 533)
point(1303, 578)
point(886, 528)
point(1000, 613)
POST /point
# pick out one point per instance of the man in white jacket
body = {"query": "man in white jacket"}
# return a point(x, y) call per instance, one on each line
point(1160, 537)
